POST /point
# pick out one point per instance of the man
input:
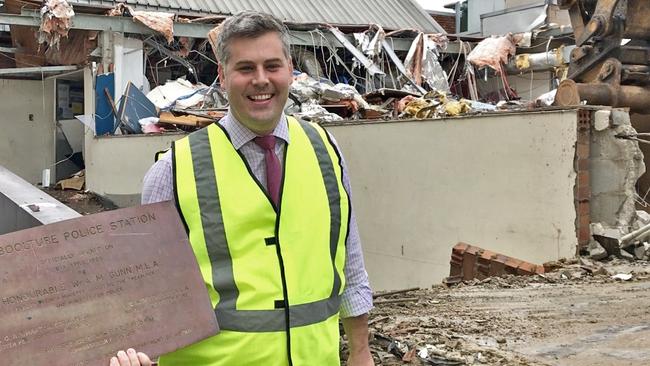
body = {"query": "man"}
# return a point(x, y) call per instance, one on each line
point(265, 200)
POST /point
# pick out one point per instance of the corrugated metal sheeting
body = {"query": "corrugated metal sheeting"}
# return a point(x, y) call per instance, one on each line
point(390, 14)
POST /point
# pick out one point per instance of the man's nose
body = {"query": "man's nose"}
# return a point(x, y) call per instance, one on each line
point(261, 78)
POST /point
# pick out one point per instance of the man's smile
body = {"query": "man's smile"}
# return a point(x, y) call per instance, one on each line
point(260, 97)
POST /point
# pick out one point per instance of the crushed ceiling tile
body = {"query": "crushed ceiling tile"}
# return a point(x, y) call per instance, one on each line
point(56, 19)
point(162, 23)
point(493, 52)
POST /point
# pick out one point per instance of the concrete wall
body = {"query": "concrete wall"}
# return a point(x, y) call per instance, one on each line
point(517, 3)
point(615, 166)
point(475, 8)
point(28, 127)
point(115, 165)
point(16, 195)
point(502, 182)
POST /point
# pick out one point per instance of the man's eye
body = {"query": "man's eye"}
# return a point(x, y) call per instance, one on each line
point(273, 67)
point(245, 69)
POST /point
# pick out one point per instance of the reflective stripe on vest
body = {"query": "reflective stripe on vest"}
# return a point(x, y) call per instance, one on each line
point(200, 204)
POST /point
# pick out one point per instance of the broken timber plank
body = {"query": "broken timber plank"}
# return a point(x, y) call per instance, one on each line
point(187, 120)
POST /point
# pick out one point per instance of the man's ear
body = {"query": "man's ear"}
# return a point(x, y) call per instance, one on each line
point(290, 61)
point(220, 74)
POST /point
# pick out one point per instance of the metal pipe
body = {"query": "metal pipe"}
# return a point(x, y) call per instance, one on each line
point(543, 61)
point(627, 238)
point(637, 98)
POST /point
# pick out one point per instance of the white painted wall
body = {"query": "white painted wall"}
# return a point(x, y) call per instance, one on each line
point(116, 165)
point(129, 63)
point(477, 7)
point(27, 146)
point(517, 3)
point(502, 182)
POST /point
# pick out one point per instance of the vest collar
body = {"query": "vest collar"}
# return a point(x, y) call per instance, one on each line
point(240, 135)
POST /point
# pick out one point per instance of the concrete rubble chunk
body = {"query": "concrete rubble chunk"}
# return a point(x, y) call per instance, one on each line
point(640, 251)
point(642, 219)
point(601, 119)
point(596, 251)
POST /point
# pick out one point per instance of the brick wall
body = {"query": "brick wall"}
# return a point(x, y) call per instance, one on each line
point(583, 187)
point(447, 22)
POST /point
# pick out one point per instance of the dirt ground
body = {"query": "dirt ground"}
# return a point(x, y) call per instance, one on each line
point(578, 315)
point(85, 203)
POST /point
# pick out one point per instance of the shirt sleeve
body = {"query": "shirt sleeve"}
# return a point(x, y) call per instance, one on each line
point(357, 295)
point(158, 183)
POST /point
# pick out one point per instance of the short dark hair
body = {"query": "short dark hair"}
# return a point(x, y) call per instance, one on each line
point(249, 24)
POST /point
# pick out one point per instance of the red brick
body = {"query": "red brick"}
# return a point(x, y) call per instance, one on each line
point(584, 235)
point(469, 265)
point(460, 248)
point(512, 263)
point(479, 263)
point(488, 255)
point(526, 268)
point(583, 193)
point(455, 269)
point(582, 150)
point(473, 250)
point(584, 209)
point(484, 262)
point(497, 268)
point(583, 164)
point(583, 178)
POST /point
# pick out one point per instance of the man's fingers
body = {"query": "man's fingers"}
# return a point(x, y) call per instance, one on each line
point(133, 357)
point(144, 359)
point(114, 361)
point(123, 358)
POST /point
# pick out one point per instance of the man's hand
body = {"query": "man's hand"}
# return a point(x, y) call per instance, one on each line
point(356, 329)
point(130, 358)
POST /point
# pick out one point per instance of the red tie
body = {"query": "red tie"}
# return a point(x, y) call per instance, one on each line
point(273, 170)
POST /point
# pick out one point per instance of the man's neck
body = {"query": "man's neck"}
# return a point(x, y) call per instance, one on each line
point(265, 132)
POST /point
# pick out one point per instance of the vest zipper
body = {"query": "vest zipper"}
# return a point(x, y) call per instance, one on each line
point(278, 250)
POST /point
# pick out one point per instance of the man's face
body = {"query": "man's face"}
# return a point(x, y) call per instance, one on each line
point(257, 77)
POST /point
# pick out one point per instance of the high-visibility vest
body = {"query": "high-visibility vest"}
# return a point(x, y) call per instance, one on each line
point(274, 274)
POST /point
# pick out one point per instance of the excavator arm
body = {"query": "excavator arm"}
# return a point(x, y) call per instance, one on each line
point(611, 63)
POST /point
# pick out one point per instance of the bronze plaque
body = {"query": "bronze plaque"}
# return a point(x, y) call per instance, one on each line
point(77, 291)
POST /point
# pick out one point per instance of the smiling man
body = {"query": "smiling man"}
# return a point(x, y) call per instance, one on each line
point(265, 199)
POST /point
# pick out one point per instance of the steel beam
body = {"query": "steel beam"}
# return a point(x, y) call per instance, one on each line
point(36, 70)
point(106, 23)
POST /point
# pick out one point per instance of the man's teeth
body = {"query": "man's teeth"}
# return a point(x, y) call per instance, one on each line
point(260, 97)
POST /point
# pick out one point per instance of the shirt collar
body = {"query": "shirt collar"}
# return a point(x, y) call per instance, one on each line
point(240, 134)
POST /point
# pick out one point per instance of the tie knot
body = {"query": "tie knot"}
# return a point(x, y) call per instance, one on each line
point(266, 142)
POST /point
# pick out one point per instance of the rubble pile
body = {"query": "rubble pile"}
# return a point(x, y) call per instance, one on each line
point(361, 78)
point(434, 327)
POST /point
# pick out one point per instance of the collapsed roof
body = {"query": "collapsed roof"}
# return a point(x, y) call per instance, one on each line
point(389, 14)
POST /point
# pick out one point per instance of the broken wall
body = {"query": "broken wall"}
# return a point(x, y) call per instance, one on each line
point(116, 165)
point(504, 182)
point(641, 123)
point(27, 127)
point(615, 166)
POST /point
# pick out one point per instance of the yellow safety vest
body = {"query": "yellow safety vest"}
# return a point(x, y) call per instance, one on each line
point(274, 274)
